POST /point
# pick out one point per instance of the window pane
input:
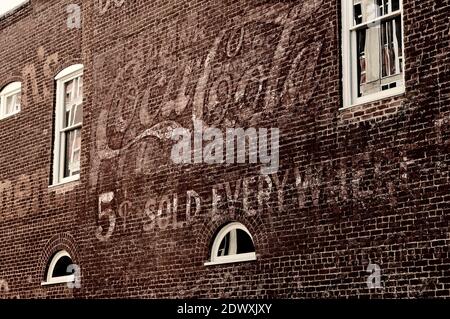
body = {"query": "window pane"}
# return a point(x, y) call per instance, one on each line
point(18, 102)
point(384, 49)
point(378, 60)
point(10, 104)
point(387, 6)
point(383, 7)
point(399, 42)
point(367, 10)
point(80, 90)
point(68, 103)
point(236, 241)
point(358, 18)
point(244, 243)
point(60, 269)
point(73, 152)
point(395, 5)
point(391, 45)
point(389, 86)
point(376, 47)
point(13, 103)
point(73, 102)
point(78, 114)
point(224, 246)
point(364, 10)
point(361, 66)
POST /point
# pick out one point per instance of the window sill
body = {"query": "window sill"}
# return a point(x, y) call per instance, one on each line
point(232, 259)
point(69, 183)
point(3, 117)
point(375, 97)
point(14, 9)
point(61, 280)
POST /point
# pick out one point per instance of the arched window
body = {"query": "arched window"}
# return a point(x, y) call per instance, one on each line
point(10, 98)
point(60, 269)
point(232, 244)
point(10, 6)
point(68, 123)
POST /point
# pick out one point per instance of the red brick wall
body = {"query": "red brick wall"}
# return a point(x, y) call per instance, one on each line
point(365, 185)
point(35, 46)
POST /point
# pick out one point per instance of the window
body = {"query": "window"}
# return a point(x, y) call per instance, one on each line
point(233, 243)
point(11, 5)
point(59, 269)
point(68, 123)
point(373, 56)
point(10, 98)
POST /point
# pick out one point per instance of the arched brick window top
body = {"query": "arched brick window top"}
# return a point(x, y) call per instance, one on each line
point(233, 243)
point(10, 99)
point(69, 71)
point(60, 269)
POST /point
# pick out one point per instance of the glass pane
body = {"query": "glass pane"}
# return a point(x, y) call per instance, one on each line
point(384, 49)
point(60, 269)
point(13, 103)
point(73, 152)
point(358, 18)
point(366, 10)
point(78, 118)
point(395, 5)
point(224, 245)
point(361, 56)
point(399, 43)
point(389, 86)
point(69, 91)
point(363, 11)
point(80, 90)
point(244, 243)
point(68, 103)
point(389, 49)
point(387, 6)
point(18, 102)
point(73, 102)
point(383, 7)
point(377, 48)
point(10, 104)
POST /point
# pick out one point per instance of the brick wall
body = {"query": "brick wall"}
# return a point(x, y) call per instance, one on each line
point(364, 185)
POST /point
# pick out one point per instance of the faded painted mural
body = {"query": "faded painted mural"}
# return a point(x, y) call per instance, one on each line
point(141, 206)
point(150, 96)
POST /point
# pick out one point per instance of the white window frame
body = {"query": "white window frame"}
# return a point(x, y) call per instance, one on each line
point(216, 259)
point(50, 280)
point(11, 8)
point(349, 58)
point(63, 77)
point(9, 90)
